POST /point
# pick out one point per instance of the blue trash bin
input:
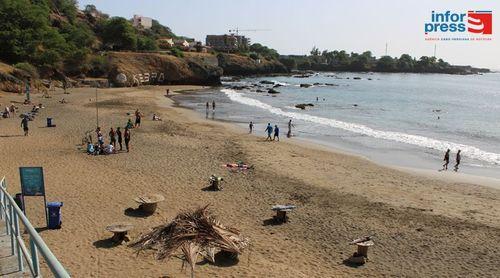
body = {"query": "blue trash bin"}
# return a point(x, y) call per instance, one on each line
point(49, 122)
point(55, 218)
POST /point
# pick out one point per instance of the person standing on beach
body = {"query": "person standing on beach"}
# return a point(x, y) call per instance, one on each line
point(276, 133)
point(446, 159)
point(137, 118)
point(168, 92)
point(112, 137)
point(213, 105)
point(24, 125)
point(459, 157)
point(119, 136)
point(126, 136)
point(207, 106)
point(290, 125)
point(269, 130)
point(250, 127)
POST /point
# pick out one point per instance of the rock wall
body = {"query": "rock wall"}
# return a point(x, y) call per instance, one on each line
point(134, 69)
point(233, 64)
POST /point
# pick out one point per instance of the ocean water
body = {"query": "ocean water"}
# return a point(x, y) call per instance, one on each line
point(398, 119)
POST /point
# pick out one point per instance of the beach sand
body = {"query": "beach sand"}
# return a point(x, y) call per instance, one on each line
point(423, 226)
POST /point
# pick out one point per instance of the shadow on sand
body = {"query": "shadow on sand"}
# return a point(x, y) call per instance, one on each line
point(137, 212)
point(106, 243)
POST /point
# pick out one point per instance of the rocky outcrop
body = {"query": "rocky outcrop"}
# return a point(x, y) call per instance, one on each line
point(11, 79)
point(134, 69)
point(233, 64)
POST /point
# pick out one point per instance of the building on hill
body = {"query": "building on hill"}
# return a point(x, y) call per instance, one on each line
point(227, 43)
point(165, 43)
point(142, 22)
point(182, 44)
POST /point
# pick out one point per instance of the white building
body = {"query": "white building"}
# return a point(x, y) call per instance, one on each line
point(142, 22)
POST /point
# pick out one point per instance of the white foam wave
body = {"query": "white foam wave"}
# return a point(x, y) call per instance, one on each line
point(416, 140)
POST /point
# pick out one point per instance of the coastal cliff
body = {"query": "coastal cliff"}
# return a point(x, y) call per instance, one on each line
point(134, 69)
point(233, 64)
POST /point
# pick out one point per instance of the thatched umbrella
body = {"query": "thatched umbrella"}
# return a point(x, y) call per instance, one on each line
point(194, 232)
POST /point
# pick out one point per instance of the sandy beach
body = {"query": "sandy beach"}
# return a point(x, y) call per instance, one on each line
point(422, 225)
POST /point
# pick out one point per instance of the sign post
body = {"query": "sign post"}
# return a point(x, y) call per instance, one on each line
point(32, 184)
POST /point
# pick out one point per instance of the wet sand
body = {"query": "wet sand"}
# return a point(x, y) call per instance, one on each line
point(422, 225)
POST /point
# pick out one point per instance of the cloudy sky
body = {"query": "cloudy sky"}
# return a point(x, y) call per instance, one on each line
point(295, 26)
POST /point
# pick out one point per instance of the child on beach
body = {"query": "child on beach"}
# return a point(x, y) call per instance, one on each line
point(129, 124)
point(446, 160)
point(119, 136)
point(250, 126)
point(276, 133)
point(126, 136)
point(269, 130)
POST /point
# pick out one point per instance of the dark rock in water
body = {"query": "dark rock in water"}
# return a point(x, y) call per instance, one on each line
point(272, 91)
point(304, 105)
point(357, 78)
point(305, 75)
point(266, 82)
point(355, 105)
point(347, 78)
point(277, 85)
point(317, 84)
point(369, 79)
point(330, 84)
point(305, 85)
point(235, 87)
point(260, 91)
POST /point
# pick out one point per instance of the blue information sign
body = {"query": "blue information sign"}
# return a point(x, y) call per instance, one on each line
point(32, 181)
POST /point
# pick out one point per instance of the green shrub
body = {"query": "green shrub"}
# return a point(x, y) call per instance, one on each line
point(177, 52)
point(27, 67)
point(99, 66)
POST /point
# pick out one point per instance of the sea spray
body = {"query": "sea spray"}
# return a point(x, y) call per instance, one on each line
point(421, 141)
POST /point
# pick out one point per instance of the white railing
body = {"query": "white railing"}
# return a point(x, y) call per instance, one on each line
point(11, 213)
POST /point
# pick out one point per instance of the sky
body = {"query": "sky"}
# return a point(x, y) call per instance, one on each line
point(295, 26)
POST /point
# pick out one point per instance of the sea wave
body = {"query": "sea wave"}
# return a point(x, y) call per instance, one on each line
point(416, 140)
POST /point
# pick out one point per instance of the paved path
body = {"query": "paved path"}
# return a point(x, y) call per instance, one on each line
point(8, 262)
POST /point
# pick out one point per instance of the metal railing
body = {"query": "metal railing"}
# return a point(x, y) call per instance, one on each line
point(11, 213)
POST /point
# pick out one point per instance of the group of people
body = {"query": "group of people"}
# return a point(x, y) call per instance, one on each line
point(447, 160)
point(273, 134)
point(207, 105)
point(9, 111)
point(115, 137)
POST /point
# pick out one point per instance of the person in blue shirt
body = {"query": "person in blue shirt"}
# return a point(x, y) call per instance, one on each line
point(269, 130)
point(276, 133)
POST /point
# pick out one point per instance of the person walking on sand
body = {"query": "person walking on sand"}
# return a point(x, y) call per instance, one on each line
point(24, 125)
point(213, 105)
point(250, 127)
point(137, 118)
point(290, 125)
point(119, 137)
point(446, 160)
point(459, 157)
point(126, 136)
point(276, 133)
point(207, 106)
point(112, 137)
point(269, 130)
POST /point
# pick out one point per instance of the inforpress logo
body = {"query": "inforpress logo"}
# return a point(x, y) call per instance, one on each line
point(480, 22)
point(464, 26)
